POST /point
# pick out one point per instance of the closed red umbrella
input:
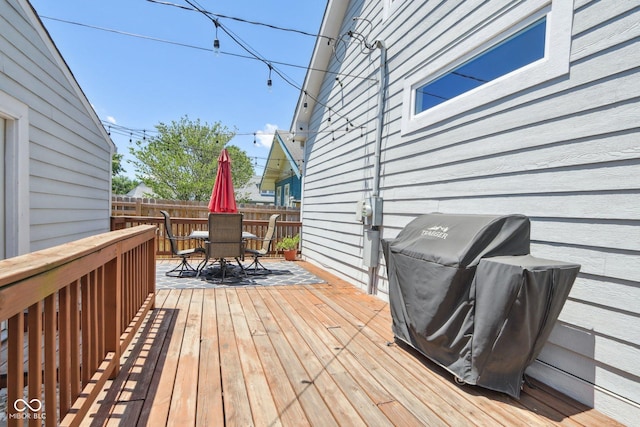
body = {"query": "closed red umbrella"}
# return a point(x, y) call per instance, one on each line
point(222, 196)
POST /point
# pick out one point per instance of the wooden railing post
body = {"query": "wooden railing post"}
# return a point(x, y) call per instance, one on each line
point(150, 248)
point(113, 308)
point(15, 364)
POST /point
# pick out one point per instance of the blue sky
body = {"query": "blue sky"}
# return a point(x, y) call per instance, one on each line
point(137, 83)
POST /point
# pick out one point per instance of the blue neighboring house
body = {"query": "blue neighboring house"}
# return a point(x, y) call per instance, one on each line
point(282, 173)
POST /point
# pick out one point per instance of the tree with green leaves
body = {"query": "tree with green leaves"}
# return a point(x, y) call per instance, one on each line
point(120, 184)
point(181, 162)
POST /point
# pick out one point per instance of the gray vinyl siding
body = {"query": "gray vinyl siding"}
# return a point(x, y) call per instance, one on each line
point(566, 153)
point(69, 157)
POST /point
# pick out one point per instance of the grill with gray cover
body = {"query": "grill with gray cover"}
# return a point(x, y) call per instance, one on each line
point(464, 291)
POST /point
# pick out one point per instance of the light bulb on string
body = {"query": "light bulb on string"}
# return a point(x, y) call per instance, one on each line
point(254, 139)
point(216, 42)
point(269, 82)
point(304, 104)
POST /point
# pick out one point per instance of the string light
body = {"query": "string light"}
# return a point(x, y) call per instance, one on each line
point(305, 105)
point(142, 133)
point(253, 56)
point(216, 42)
point(154, 39)
point(251, 51)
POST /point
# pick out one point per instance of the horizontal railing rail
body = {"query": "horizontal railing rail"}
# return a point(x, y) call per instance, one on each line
point(184, 227)
point(71, 311)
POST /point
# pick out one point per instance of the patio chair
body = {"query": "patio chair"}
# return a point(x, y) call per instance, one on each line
point(266, 246)
point(225, 241)
point(184, 269)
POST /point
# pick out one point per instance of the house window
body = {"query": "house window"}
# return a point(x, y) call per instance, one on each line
point(458, 79)
point(517, 51)
point(279, 196)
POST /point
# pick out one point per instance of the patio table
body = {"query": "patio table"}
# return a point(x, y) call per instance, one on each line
point(204, 235)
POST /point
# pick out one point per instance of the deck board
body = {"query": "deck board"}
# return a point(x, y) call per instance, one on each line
point(289, 408)
point(298, 355)
point(263, 407)
point(209, 408)
point(182, 408)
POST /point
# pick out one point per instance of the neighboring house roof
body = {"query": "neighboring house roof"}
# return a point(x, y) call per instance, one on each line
point(141, 190)
point(37, 23)
point(251, 191)
point(285, 157)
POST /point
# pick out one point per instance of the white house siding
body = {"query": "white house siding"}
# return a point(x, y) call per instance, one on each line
point(69, 175)
point(566, 153)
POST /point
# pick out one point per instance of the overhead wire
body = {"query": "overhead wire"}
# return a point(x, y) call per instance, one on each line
point(253, 54)
point(247, 48)
point(147, 133)
point(219, 15)
point(190, 46)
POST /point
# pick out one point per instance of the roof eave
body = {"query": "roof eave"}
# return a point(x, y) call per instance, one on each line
point(331, 23)
point(48, 41)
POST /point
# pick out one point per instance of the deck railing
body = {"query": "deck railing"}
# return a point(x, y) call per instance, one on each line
point(71, 311)
point(184, 227)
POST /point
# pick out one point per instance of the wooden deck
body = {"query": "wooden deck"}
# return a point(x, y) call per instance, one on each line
point(298, 355)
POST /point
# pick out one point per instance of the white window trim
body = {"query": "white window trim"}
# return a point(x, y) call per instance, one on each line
point(287, 195)
point(16, 172)
point(555, 63)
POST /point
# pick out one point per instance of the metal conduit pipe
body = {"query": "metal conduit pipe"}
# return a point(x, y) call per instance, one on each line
point(376, 165)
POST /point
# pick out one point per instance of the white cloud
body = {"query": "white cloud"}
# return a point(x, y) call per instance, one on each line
point(264, 137)
point(111, 120)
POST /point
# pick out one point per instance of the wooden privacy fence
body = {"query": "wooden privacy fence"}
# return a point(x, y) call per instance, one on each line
point(184, 227)
point(135, 206)
point(71, 311)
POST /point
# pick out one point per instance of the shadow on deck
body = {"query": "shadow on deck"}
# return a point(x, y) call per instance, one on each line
point(315, 354)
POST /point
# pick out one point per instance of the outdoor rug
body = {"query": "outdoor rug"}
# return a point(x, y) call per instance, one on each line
point(282, 273)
